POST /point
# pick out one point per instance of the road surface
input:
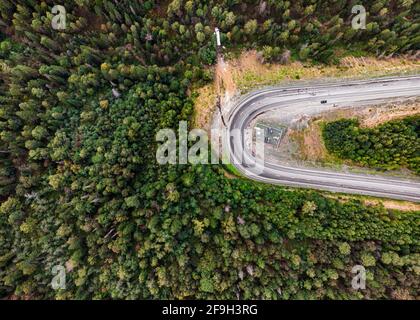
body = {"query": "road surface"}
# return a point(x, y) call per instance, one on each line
point(291, 102)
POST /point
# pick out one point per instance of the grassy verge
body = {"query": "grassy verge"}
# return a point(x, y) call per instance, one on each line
point(231, 169)
point(249, 73)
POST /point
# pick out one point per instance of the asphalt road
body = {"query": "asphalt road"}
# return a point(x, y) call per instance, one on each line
point(290, 102)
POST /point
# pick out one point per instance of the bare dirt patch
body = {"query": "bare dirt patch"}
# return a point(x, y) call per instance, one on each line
point(312, 140)
point(394, 205)
point(224, 78)
point(376, 116)
point(405, 206)
point(223, 86)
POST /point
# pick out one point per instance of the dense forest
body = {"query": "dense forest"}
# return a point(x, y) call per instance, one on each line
point(80, 186)
point(393, 145)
